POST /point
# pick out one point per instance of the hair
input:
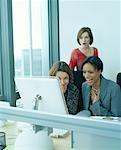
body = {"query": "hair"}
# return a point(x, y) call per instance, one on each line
point(81, 31)
point(60, 66)
point(95, 61)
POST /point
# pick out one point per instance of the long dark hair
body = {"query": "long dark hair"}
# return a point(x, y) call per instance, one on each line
point(95, 61)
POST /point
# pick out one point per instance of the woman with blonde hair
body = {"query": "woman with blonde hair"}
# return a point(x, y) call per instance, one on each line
point(70, 91)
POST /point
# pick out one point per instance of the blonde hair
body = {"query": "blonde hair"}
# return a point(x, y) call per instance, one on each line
point(60, 66)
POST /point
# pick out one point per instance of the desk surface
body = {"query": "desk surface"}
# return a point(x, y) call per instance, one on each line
point(11, 130)
point(107, 118)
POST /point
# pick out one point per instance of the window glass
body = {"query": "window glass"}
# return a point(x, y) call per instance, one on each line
point(29, 31)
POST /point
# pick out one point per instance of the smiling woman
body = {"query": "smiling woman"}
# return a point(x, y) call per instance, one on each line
point(102, 97)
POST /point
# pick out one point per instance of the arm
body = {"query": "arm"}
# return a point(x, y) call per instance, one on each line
point(72, 99)
point(98, 109)
point(95, 52)
point(116, 101)
point(111, 105)
point(72, 62)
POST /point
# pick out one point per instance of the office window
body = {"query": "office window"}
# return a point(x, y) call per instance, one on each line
point(7, 87)
point(21, 38)
point(30, 33)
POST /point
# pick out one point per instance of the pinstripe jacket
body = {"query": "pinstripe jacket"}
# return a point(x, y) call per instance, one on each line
point(110, 98)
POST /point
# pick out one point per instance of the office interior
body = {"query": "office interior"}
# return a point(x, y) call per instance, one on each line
point(37, 33)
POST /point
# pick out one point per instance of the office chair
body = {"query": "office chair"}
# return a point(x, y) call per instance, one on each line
point(78, 80)
point(118, 79)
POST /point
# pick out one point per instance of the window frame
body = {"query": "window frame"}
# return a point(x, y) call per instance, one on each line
point(7, 52)
point(7, 70)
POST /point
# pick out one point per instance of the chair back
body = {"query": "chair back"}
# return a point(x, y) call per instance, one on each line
point(118, 80)
point(78, 80)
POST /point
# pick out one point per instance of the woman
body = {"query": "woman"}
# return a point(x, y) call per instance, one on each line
point(71, 92)
point(78, 55)
point(102, 97)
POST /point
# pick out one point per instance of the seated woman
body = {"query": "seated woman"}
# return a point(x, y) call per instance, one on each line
point(102, 97)
point(71, 92)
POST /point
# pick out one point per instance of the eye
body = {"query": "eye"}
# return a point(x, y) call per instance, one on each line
point(59, 77)
point(84, 72)
point(66, 78)
point(91, 72)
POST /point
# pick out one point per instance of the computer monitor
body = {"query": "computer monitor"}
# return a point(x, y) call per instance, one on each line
point(48, 88)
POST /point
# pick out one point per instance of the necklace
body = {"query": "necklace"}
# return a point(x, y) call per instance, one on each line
point(96, 91)
point(95, 95)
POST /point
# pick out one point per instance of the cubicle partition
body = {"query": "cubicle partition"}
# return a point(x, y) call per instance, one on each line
point(91, 133)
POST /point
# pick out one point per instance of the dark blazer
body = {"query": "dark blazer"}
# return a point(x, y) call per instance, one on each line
point(110, 98)
point(72, 98)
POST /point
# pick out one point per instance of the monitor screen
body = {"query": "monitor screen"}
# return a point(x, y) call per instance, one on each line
point(44, 89)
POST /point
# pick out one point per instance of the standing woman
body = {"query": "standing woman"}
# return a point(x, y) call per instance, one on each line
point(71, 92)
point(78, 55)
point(101, 96)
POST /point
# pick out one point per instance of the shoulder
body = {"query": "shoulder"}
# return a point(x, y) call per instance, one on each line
point(95, 49)
point(76, 50)
point(109, 83)
point(72, 87)
point(85, 86)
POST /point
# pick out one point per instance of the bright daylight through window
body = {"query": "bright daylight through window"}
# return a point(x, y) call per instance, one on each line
point(29, 37)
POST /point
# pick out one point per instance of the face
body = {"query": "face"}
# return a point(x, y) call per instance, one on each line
point(64, 80)
point(84, 40)
point(91, 75)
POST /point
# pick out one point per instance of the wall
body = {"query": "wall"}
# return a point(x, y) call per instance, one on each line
point(103, 17)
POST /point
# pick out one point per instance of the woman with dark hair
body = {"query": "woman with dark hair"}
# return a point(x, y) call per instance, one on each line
point(71, 92)
point(78, 55)
point(102, 97)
